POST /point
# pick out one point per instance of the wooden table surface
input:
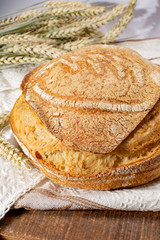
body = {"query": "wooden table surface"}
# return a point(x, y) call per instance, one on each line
point(80, 225)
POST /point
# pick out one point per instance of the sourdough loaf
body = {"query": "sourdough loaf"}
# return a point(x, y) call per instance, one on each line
point(92, 98)
point(91, 118)
point(135, 161)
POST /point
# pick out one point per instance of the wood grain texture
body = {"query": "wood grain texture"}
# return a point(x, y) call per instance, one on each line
point(57, 225)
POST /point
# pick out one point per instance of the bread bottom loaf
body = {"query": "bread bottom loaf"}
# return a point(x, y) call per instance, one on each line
point(135, 161)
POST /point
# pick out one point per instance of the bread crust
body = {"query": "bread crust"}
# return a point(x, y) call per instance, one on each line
point(92, 98)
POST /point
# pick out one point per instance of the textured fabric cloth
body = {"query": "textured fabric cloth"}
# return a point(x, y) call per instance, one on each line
point(15, 182)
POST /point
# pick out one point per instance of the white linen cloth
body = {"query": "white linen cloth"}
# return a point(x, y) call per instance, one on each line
point(16, 182)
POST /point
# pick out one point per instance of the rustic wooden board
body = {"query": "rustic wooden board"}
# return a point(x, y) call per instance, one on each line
point(80, 225)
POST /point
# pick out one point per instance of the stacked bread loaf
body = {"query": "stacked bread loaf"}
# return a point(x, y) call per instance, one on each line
point(91, 118)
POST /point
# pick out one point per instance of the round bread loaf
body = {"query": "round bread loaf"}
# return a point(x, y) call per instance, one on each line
point(91, 99)
point(135, 161)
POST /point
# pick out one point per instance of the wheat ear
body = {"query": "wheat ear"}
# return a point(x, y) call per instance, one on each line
point(18, 60)
point(63, 12)
point(93, 34)
point(22, 22)
point(76, 15)
point(9, 20)
point(42, 50)
point(6, 149)
point(30, 14)
point(93, 23)
point(75, 12)
point(56, 17)
point(70, 46)
point(11, 153)
point(121, 25)
point(33, 13)
point(64, 4)
point(23, 17)
point(4, 119)
point(50, 24)
point(16, 38)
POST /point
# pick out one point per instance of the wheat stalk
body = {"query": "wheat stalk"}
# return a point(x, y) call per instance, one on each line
point(35, 21)
point(58, 11)
point(16, 38)
point(35, 12)
point(77, 15)
point(54, 24)
point(50, 24)
point(64, 4)
point(121, 25)
point(22, 18)
point(72, 25)
point(93, 34)
point(6, 149)
point(75, 12)
point(18, 27)
point(70, 46)
point(30, 14)
point(9, 60)
point(9, 20)
point(4, 119)
point(77, 28)
point(42, 50)
point(11, 153)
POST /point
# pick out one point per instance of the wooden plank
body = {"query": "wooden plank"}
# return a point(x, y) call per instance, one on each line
point(80, 225)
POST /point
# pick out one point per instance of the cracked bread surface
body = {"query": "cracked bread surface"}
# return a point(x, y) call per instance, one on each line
point(92, 98)
point(135, 161)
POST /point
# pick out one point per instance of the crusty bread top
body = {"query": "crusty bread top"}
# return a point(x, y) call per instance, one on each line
point(92, 98)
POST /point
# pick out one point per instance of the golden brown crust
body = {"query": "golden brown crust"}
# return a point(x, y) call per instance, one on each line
point(92, 98)
point(135, 161)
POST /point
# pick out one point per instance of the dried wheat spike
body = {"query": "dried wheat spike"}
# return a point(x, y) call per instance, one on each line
point(9, 20)
point(49, 25)
point(70, 46)
point(30, 14)
point(121, 25)
point(64, 4)
point(76, 28)
point(11, 153)
point(42, 50)
point(75, 12)
point(7, 150)
point(4, 119)
point(16, 38)
point(58, 10)
point(7, 60)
